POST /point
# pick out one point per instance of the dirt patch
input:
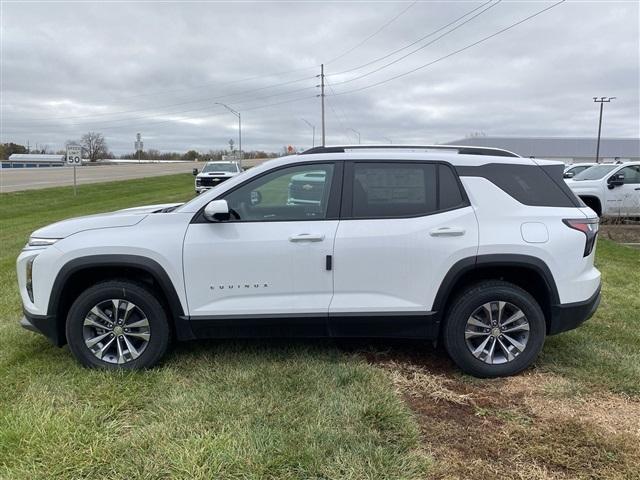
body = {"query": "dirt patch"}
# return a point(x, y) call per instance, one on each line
point(536, 425)
point(621, 233)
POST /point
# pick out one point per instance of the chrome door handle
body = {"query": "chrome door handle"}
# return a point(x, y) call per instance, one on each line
point(307, 237)
point(447, 232)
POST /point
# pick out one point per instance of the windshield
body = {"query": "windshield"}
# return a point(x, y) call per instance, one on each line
point(220, 167)
point(595, 173)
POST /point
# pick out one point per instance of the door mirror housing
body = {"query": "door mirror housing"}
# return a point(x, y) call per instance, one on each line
point(569, 175)
point(217, 211)
point(616, 180)
point(195, 171)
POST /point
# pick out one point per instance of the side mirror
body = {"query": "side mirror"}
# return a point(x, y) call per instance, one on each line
point(256, 197)
point(616, 181)
point(569, 175)
point(217, 211)
point(195, 171)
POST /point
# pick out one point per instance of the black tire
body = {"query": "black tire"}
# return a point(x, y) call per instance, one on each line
point(145, 300)
point(467, 303)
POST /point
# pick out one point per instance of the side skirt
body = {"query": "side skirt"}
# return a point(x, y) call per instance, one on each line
point(420, 325)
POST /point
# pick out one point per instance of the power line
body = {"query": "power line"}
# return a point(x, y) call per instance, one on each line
point(410, 44)
point(208, 84)
point(366, 87)
point(173, 121)
point(375, 70)
point(385, 25)
point(109, 121)
point(222, 97)
point(334, 111)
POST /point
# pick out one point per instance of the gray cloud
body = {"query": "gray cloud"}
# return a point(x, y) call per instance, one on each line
point(158, 68)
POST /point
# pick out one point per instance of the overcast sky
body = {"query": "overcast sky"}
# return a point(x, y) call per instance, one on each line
point(158, 69)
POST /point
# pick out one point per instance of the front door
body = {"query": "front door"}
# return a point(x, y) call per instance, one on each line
point(269, 261)
point(404, 225)
point(624, 200)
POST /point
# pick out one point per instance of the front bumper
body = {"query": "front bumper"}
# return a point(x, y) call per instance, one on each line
point(45, 325)
point(571, 315)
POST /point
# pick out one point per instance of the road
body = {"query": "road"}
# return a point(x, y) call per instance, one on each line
point(13, 180)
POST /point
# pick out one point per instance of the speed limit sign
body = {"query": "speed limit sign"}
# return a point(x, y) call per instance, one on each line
point(74, 155)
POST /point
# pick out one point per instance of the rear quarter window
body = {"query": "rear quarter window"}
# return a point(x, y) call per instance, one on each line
point(529, 184)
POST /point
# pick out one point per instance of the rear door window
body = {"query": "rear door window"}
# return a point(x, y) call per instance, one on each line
point(398, 189)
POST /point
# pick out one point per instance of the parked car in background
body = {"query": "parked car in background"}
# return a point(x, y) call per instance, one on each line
point(609, 189)
point(573, 169)
point(214, 173)
point(306, 188)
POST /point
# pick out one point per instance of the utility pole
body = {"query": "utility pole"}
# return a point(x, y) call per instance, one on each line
point(313, 127)
point(322, 100)
point(601, 101)
point(237, 114)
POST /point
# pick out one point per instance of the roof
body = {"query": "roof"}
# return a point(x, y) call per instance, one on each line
point(35, 157)
point(559, 147)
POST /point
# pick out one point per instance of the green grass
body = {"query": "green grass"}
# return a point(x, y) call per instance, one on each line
point(246, 410)
point(212, 410)
point(604, 353)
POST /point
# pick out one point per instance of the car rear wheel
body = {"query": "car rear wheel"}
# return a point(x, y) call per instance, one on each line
point(117, 324)
point(494, 329)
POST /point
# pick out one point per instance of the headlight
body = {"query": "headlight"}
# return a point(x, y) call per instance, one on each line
point(198, 181)
point(41, 242)
point(29, 284)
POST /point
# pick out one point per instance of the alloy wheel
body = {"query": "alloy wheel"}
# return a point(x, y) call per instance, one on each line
point(497, 332)
point(116, 331)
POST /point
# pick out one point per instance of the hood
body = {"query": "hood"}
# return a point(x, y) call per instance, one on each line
point(120, 218)
point(583, 184)
point(217, 174)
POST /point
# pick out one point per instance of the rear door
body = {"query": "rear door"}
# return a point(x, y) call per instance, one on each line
point(403, 225)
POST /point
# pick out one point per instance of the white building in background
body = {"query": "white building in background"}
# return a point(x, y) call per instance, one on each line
point(566, 149)
point(27, 160)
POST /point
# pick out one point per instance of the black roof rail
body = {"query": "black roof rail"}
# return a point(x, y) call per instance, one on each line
point(460, 149)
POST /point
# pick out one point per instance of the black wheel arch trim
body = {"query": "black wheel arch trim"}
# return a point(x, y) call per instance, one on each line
point(469, 264)
point(146, 264)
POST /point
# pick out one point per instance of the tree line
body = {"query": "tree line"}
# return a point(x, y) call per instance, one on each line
point(95, 148)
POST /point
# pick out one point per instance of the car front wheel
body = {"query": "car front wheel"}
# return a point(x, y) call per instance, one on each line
point(117, 324)
point(494, 329)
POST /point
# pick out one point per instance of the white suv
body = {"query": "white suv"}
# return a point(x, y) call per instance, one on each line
point(214, 173)
point(486, 251)
point(610, 189)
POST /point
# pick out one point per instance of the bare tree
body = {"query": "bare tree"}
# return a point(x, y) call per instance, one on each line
point(95, 145)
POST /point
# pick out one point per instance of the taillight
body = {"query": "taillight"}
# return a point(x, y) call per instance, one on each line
point(588, 226)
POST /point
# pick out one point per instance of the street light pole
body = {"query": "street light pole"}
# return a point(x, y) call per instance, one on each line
point(237, 114)
point(601, 101)
point(357, 133)
point(313, 127)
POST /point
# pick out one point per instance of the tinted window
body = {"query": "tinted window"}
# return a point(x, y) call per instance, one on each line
point(448, 189)
point(528, 184)
point(631, 173)
point(288, 194)
point(393, 190)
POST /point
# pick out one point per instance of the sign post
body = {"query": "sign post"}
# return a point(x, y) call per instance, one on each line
point(74, 158)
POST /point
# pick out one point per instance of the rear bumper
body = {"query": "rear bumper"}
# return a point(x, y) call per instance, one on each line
point(571, 315)
point(45, 325)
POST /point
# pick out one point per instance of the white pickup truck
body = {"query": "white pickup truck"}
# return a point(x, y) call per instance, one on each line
point(214, 173)
point(609, 189)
